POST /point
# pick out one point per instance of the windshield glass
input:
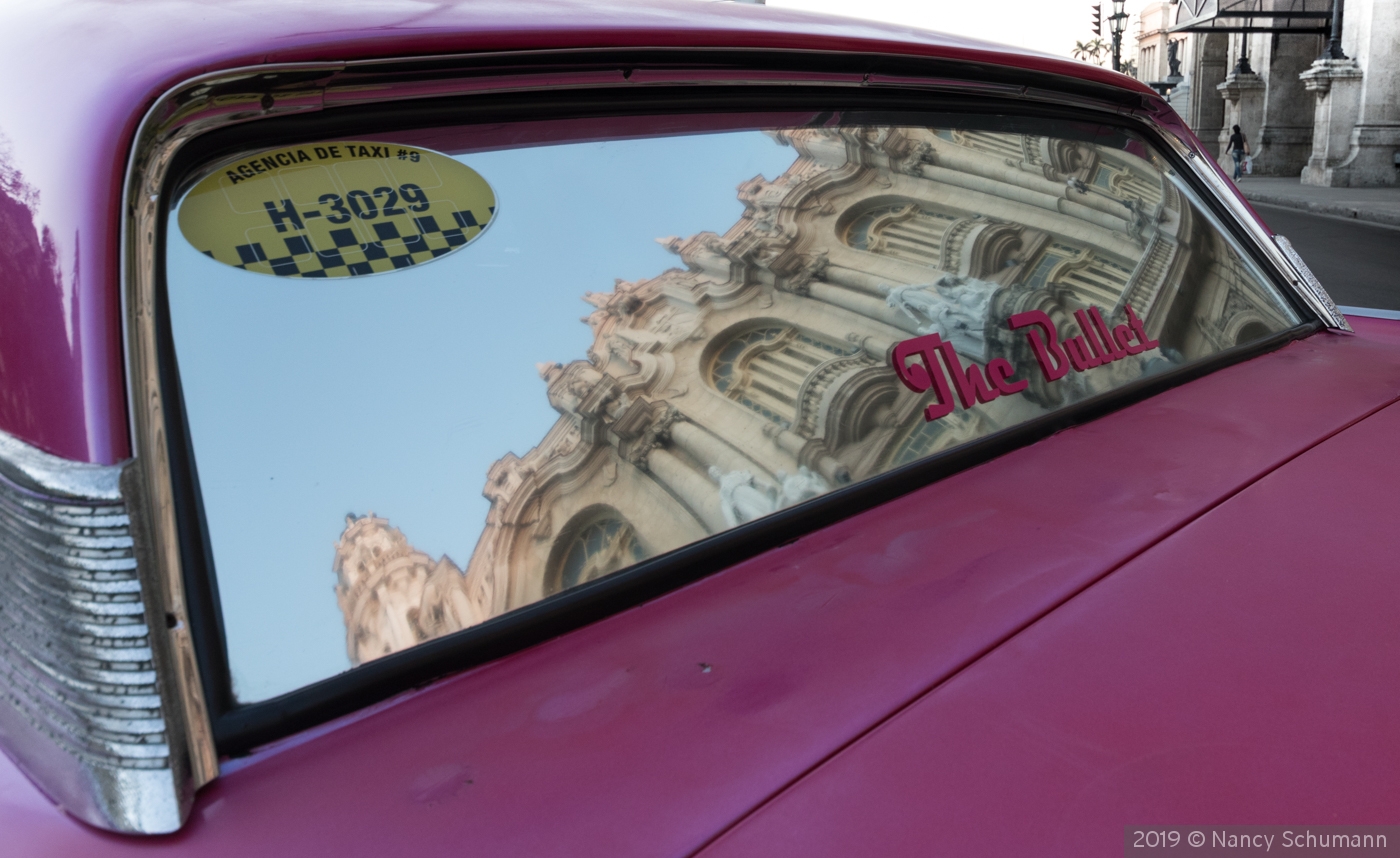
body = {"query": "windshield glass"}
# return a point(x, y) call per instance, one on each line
point(434, 378)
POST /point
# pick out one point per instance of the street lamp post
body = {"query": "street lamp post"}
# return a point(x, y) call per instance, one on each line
point(1333, 51)
point(1116, 22)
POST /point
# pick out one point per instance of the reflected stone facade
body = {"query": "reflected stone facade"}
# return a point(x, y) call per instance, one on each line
point(756, 376)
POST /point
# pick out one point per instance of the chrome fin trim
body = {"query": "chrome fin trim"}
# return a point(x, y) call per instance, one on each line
point(81, 705)
point(1306, 279)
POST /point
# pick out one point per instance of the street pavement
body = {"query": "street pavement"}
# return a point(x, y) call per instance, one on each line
point(1358, 263)
point(1379, 205)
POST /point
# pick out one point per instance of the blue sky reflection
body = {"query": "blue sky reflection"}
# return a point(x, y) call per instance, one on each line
point(394, 393)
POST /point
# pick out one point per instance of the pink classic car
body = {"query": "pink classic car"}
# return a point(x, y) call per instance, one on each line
point(947, 461)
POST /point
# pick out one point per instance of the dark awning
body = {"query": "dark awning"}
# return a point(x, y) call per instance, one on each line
point(1253, 16)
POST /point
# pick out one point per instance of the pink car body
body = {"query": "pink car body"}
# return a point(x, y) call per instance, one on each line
point(1181, 611)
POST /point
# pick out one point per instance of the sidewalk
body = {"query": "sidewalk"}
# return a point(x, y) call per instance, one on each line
point(1378, 205)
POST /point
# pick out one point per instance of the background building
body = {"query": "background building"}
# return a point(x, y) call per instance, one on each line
point(1162, 58)
point(1328, 113)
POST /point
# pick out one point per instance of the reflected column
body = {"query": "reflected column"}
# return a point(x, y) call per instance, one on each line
point(694, 490)
point(709, 450)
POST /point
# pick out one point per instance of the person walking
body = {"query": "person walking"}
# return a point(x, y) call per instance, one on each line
point(1239, 150)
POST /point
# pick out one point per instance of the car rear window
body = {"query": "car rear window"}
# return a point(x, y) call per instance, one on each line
point(432, 378)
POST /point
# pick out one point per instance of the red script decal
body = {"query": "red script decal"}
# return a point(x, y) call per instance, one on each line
point(1094, 346)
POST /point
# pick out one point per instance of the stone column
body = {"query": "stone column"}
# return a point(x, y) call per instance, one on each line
point(1286, 128)
point(1207, 107)
point(1336, 84)
point(1031, 190)
point(1243, 92)
point(1372, 35)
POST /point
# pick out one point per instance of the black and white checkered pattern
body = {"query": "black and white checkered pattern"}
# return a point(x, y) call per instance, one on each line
point(351, 258)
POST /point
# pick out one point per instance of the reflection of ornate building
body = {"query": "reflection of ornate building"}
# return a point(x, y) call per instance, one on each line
point(756, 377)
point(400, 593)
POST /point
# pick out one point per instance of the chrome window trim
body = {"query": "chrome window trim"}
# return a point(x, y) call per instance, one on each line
point(192, 108)
point(221, 99)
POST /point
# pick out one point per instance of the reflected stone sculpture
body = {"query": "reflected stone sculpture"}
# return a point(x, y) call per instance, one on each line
point(954, 307)
point(741, 498)
point(916, 302)
point(1139, 220)
point(801, 486)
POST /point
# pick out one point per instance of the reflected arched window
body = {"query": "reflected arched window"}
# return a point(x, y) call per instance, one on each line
point(763, 369)
point(600, 547)
point(905, 231)
point(923, 438)
point(1011, 147)
point(1118, 179)
point(1252, 331)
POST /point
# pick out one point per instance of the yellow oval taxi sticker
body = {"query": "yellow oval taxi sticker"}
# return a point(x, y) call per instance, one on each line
point(337, 210)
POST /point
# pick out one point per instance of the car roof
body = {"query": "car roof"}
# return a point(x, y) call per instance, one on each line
point(91, 71)
point(170, 40)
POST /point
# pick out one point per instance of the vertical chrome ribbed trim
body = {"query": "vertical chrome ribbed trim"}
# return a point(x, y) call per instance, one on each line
point(81, 709)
